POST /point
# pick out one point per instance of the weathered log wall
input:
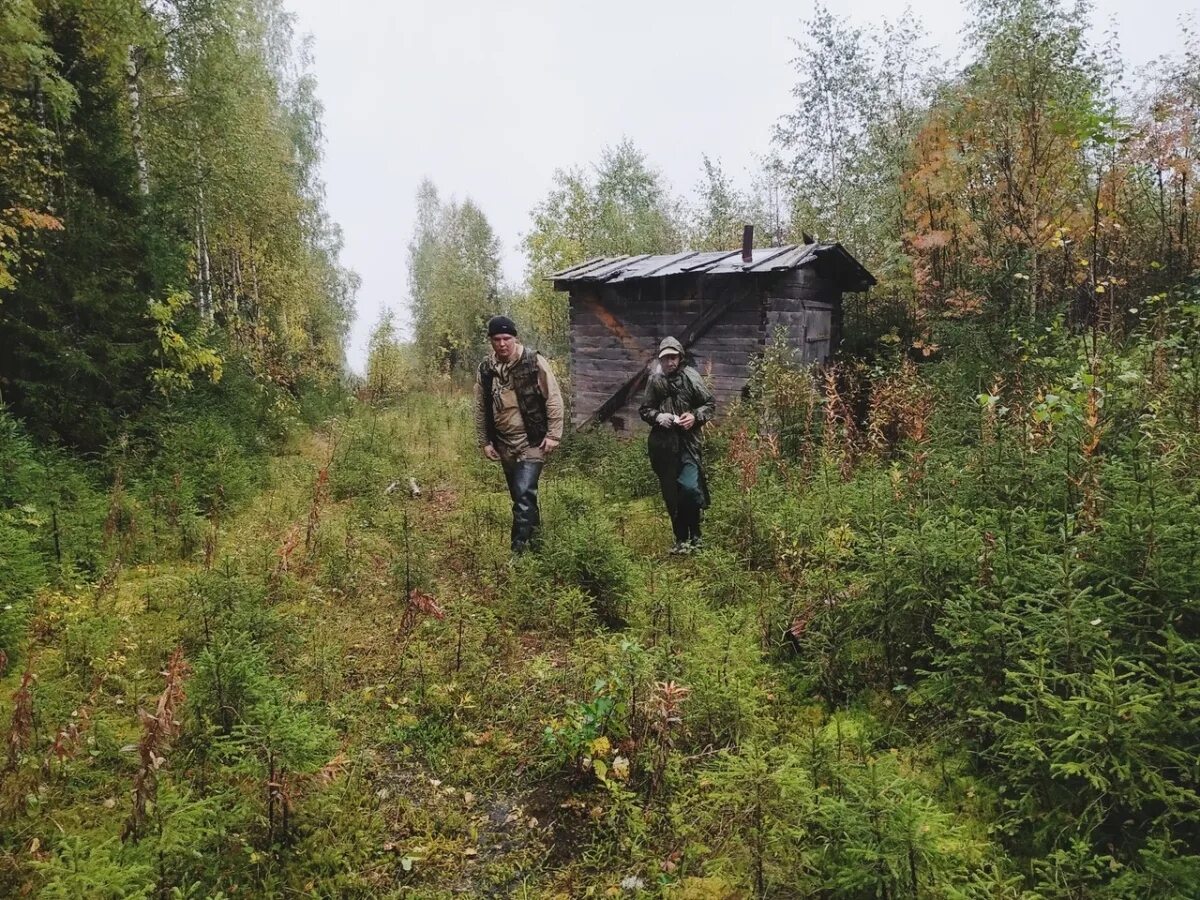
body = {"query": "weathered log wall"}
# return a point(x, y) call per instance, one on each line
point(615, 330)
point(804, 304)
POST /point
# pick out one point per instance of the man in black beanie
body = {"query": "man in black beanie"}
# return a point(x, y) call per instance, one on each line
point(518, 420)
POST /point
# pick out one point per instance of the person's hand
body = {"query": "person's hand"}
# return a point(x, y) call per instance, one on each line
point(490, 452)
point(687, 421)
point(664, 420)
point(548, 444)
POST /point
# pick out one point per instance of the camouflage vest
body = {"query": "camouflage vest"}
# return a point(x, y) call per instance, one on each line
point(530, 402)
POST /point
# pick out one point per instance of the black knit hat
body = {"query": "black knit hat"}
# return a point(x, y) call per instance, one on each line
point(501, 325)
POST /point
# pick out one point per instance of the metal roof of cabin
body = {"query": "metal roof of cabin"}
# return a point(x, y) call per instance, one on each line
point(616, 269)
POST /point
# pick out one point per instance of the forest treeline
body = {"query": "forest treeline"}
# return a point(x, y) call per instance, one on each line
point(1036, 178)
point(259, 633)
point(171, 298)
point(161, 210)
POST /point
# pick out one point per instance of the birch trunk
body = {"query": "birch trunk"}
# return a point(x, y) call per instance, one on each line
point(204, 269)
point(133, 88)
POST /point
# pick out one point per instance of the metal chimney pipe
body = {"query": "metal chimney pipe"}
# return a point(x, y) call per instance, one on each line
point(748, 244)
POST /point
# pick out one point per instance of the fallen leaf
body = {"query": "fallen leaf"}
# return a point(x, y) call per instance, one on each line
point(620, 768)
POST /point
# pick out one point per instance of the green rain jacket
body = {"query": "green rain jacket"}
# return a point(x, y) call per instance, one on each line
point(677, 394)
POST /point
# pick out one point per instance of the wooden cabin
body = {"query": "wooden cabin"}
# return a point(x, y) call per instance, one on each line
point(723, 307)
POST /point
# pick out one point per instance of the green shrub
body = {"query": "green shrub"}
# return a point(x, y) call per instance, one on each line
point(49, 510)
point(722, 665)
point(560, 608)
point(22, 571)
point(221, 472)
point(320, 399)
point(86, 643)
point(617, 464)
point(106, 870)
point(582, 549)
point(574, 735)
point(842, 818)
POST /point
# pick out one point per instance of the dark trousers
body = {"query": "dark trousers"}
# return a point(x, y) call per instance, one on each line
point(683, 495)
point(522, 478)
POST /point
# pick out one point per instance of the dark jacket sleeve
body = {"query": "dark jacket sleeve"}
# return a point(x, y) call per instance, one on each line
point(704, 404)
point(651, 399)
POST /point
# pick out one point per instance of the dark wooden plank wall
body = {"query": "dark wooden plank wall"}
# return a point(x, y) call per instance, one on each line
point(722, 355)
point(804, 304)
point(615, 329)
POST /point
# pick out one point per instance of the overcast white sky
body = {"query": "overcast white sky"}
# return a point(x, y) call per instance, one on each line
point(488, 98)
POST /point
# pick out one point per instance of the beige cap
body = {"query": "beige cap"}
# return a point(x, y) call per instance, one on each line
point(670, 346)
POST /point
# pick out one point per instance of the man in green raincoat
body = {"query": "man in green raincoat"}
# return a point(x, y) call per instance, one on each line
point(675, 406)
